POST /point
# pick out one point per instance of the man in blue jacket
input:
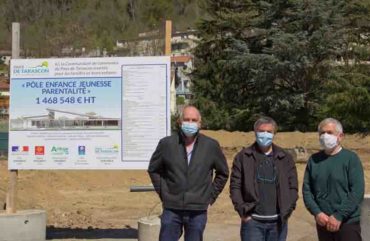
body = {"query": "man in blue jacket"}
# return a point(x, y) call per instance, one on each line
point(188, 171)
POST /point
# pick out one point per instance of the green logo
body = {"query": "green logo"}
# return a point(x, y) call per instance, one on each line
point(59, 150)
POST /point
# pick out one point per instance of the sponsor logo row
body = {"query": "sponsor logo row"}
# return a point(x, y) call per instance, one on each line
point(59, 150)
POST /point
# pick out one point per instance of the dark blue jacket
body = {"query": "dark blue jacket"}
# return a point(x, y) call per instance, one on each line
point(188, 187)
point(243, 185)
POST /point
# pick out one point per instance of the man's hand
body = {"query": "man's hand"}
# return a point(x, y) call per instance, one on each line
point(246, 219)
point(333, 224)
point(322, 219)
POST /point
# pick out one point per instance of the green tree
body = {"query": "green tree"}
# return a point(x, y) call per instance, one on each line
point(268, 58)
point(348, 97)
point(154, 12)
point(212, 83)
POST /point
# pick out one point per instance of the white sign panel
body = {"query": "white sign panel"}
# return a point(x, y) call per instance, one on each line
point(87, 113)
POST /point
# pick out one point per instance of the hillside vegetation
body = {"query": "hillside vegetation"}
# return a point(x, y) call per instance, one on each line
point(48, 26)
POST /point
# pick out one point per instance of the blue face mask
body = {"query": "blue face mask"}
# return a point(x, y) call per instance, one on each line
point(264, 139)
point(189, 128)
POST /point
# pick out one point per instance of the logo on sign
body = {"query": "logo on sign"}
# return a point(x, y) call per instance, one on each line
point(20, 149)
point(42, 68)
point(58, 150)
point(39, 150)
point(107, 150)
point(81, 150)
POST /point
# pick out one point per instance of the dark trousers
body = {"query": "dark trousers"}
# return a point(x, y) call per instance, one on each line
point(254, 230)
point(174, 222)
point(347, 232)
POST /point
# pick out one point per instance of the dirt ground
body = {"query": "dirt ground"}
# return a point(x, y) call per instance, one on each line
point(90, 200)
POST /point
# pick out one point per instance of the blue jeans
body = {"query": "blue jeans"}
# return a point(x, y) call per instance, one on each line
point(174, 222)
point(254, 230)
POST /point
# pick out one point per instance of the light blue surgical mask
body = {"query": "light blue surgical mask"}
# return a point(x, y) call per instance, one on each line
point(264, 139)
point(189, 128)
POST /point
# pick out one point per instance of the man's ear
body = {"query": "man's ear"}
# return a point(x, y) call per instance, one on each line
point(178, 122)
point(341, 136)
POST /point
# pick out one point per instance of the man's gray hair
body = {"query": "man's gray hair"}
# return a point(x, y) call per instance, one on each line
point(338, 125)
point(265, 120)
point(189, 106)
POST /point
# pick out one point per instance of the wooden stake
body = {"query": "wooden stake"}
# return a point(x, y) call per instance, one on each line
point(15, 40)
point(168, 33)
point(12, 190)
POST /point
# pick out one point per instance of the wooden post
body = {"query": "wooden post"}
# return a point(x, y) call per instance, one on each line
point(12, 190)
point(167, 51)
point(15, 40)
point(168, 33)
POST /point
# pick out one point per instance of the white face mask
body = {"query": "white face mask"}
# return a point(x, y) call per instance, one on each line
point(328, 141)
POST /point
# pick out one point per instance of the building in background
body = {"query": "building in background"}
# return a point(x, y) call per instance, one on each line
point(182, 65)
point(182, 43)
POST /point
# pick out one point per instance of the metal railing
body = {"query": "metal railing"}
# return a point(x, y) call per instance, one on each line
point(149, 188)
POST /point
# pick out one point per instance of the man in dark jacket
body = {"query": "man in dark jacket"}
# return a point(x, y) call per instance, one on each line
point(264, 186)
point(333, 186)
point(182, 172)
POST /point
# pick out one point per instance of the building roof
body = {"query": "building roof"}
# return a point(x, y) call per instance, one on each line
point(184, 33)
point(181, 59)
point(4, 52)
point(3, 84)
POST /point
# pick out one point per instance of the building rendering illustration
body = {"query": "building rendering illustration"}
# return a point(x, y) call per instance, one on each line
point(60, 119)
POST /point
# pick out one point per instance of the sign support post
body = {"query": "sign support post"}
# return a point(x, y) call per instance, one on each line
point(12, 190)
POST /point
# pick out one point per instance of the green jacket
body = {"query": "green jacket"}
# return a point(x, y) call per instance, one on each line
point(334, 185)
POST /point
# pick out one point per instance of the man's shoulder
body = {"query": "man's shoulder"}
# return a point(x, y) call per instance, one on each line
point(280, 151)
point(169, 139)
point(350, 155)
point(208, 139)
point(317, 157)
point(346, 151)
point(344, 154)
point(248, 151)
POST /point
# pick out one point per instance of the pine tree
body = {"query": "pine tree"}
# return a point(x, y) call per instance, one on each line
point(349, 95)
point(217, 87)
point(269, 58)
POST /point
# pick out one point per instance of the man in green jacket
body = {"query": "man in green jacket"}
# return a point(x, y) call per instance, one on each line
point(333, 186)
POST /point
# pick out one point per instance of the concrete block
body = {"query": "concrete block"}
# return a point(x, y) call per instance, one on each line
point(299, 154)
point(365, 218)
point(148, 228)
point(24, 225)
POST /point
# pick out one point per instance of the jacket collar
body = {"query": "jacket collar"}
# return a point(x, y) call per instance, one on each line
point(181, 137)
point(277, 151)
